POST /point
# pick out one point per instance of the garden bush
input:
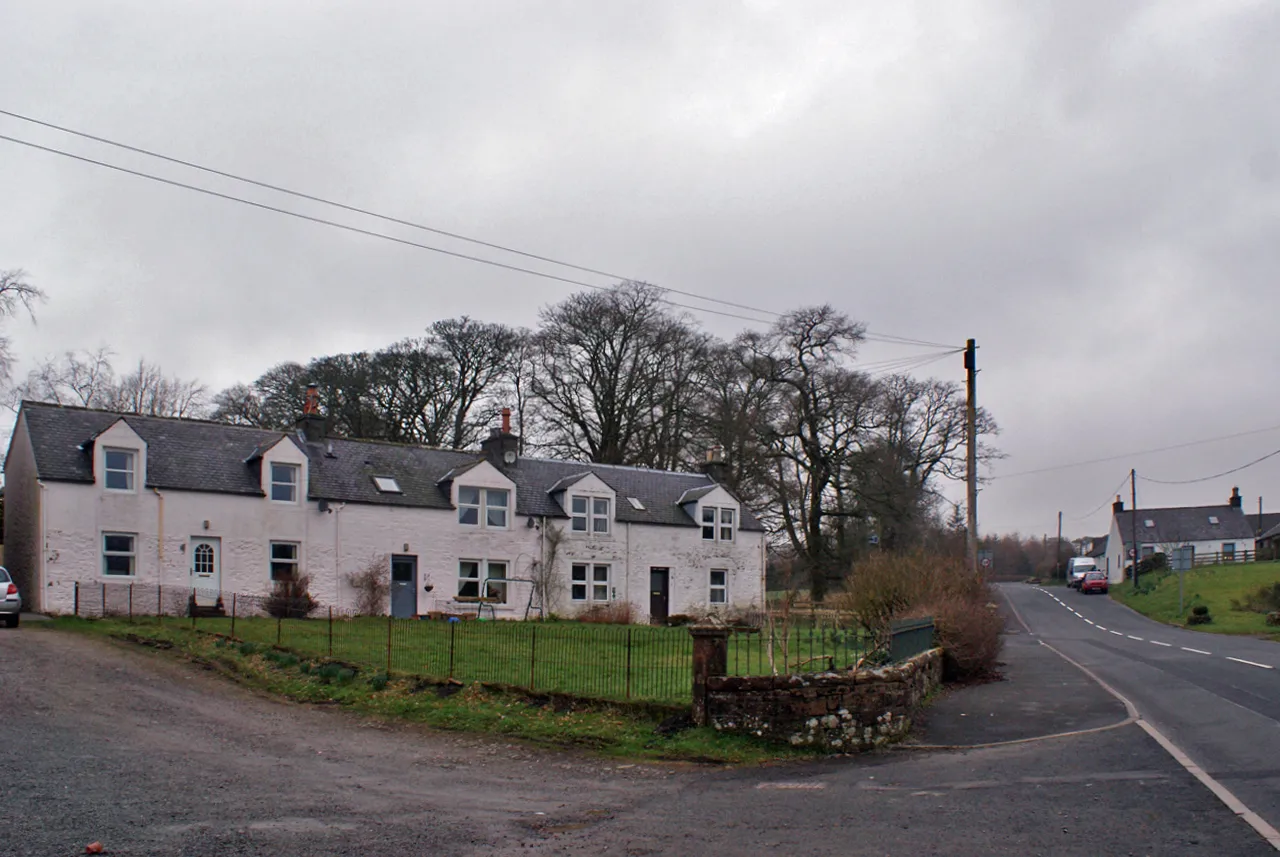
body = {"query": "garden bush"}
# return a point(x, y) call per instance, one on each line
point(291, 598)
point(373, 587)
point(967, 624)
point(1273, 618)
point(1265, 600)
point(618, 613)
point(1199, 615)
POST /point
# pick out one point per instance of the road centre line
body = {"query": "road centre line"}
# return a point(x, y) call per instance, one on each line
point(1100, 628)
point(1139, 639)
point(1117, 633)
point(1158, 643)
point(1197, 651)
point(1250, 663)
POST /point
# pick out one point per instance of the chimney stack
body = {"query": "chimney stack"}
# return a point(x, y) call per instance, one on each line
point(502, 447)
point(1236, 500)
point(310, 425)
point(715, 466)
point(1118, 506)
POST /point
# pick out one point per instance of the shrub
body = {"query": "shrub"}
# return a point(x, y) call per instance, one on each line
point(900, 586)
point(1265, 600)
point(680, 619)
point(291, 598)
point(1200, 610)
point(607, 614)
point(1273, 618)
point(373, 587)
point(1199, 619)
point(379, 681)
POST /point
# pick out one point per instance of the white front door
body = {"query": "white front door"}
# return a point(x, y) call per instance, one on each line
point(206, 571)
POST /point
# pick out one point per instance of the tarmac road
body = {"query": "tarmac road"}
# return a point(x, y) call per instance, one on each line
point(1216, 697)
point(103, 742)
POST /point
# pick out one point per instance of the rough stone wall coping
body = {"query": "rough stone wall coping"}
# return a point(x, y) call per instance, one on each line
point(891, 674)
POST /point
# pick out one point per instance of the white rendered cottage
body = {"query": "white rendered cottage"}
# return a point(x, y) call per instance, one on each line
point(95, 496)
point(1222, 532)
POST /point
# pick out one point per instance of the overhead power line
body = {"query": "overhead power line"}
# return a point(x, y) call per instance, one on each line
point(1214, 476)
point(1098, 508)
point(870, 336)
point(1127, 455)
point(336, 225)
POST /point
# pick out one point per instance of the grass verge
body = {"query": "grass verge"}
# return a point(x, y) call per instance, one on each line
point(1215, 587)
point(614, 730)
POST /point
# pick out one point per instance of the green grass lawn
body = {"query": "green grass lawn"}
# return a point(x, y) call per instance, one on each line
point(610, 729)
point(605, 662)
point(1213, 586)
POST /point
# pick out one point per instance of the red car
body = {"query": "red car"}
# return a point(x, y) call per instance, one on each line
point(1094, 581)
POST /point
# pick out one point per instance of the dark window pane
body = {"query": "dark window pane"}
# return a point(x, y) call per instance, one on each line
point(118, 544)
point(579, 525)
point(579, 592)
point(283, 493)
point(496, 518)
point(496, 498)
point(600, 525)
point(402, 571)
point(580, 573)
point(468, 515)
point(600, 507)
point(709, 533)
point(717, 578)
point(708, 514)
point(118, 481)
point(284, 550)
point(469, 569)
point(469, 496)
point(119, 565)
point(469, 588)
point(579, 505)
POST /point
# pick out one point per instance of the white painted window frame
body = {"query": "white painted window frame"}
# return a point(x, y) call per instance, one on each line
point(295, 485)
point(483, 507)
point(484, 568)
point(722, 588)
point(132, 554)
point(271, 559)
point(589, 582)
point(721, 530)
point(132, 472)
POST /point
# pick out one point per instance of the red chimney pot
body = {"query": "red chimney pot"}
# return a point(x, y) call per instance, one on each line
point(506, 421)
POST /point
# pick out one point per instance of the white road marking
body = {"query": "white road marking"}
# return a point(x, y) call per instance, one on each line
point(1090, 621)
point(1197, 651)
point(1117, 633)
point(1158, 643)
point(1250, 663)
point(1139, 639)
point(1100, 628)
point(790, 786)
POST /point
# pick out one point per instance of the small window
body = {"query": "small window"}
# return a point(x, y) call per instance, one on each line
point(487, 505)
point(1228, 550)
point(119, 469)
point(495, 507)
point(387, 484)
point(1148, 551)
point(636, 504)
point(578, 507)
point(718, 523)
point(469, 507)
point(468, 579)
point(495, 587)
point(118, 554)
point(495, 577)
point(284, 483)
point(1213, 519)
point(589, 582)
point(719, 586)
point(1149, 523)
point(726, 525)
point(284, 560)
point(600, 515)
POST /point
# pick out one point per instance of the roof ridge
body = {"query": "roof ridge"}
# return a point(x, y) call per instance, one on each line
point(632, 467)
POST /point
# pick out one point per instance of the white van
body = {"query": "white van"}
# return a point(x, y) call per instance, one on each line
point(1077, 567)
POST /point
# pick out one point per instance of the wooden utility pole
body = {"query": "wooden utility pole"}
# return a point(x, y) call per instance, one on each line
point(1133, 497)
point(1057, 550)
point(971, 464)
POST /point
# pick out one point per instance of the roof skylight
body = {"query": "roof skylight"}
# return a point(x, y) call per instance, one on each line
point(636, 504)
point(1213, 519)
point(387, 484)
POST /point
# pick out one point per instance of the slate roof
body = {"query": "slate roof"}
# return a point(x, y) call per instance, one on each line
point(1099, 548)
point(196, 455)
point(1270, 520)
point(1272, 533)
point(1185, 524)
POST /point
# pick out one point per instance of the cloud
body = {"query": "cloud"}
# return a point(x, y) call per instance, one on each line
point(1089, 189)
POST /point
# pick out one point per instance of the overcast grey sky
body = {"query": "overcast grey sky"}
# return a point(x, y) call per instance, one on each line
point(1089, 189)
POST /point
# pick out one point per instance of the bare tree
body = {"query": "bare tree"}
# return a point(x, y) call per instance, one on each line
point(16, 294)
point(87, 379)
point(616, 376)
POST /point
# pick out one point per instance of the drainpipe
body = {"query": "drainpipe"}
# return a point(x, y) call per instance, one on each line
point(159, 536)
point(626, 580)
point(43, 546)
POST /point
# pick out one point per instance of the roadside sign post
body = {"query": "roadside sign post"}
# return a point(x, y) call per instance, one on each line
point(1182, 561)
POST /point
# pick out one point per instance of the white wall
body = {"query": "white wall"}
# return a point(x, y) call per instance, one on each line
point(349, 536)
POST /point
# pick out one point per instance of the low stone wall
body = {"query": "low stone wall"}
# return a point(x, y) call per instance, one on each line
point(842, 711)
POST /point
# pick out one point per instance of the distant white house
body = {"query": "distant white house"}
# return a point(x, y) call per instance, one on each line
point(1221, 530)
point(95, 496)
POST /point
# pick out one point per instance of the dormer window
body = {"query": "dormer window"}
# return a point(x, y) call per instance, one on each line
point(284, 483)
point(119, 469)
point(718, 523)
point(590, 515)
point(489, 505)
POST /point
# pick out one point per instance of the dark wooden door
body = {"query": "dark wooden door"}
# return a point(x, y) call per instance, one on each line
point(659, 595)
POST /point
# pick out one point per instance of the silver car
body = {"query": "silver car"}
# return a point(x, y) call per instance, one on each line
point(10, 599)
